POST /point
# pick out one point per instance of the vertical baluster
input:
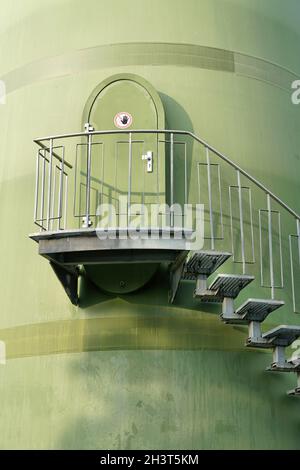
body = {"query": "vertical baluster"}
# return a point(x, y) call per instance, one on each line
point(211, 220)
point(172, 179)
point(270, 247)
point(37, 181)
point(102, 174)
point(129, 178)
point(59, 201)
point(60, 191)
point(220, 202)
point(75, 184)
point(117, 201)
point(66, 202)
point(261, 261)
point(157, 170)
point(49, 183)
point(43, 190)
point(280, 252)
point(298, 234)
point(143, 177)
point(185, 175)
point(88, 181)
point(53, 197)
point(251, 225)
point(184, 213)
point(292, 262)
point(241, 221)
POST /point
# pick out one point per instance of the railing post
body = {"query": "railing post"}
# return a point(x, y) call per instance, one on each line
point(211, 219)
point(129, 178)
point(65, 205)
point(49, 183)
point(37, 180)
point(270, 247)
point(43, 191)
point(298, 234)
point(88, 181)
point(292, 262)
point(60, 193)
point(53, 197)
point(241, 221)
point(172, 179)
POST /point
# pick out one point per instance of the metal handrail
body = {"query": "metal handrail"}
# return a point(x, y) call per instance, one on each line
point(178, 132)
point(57, 200)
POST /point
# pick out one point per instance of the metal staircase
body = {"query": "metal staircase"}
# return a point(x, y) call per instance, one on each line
point(246, 226)
point(224, 289)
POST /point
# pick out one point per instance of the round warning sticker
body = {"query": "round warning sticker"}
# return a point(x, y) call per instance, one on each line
point(123, 120)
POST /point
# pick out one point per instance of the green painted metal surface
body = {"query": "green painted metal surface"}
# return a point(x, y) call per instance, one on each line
point(131, 371)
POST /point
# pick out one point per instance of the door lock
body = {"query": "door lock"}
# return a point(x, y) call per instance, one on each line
point(149, 158)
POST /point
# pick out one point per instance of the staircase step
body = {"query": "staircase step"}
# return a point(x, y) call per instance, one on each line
point(208, 296)
point(283, 335)
point(294, 393)
point(225, 285)
point(258, 309)
point(204, 262)
point(285, 368)
point(288, 366)
point(253, 310)
point(230, 285)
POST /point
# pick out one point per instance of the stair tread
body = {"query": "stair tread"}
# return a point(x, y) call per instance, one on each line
point(283, 335)
point(288, 367)
point(253, 310)
point(209, 297)
point(295, 392)
point(204, 262)
point(258, 309)
point(230, 285)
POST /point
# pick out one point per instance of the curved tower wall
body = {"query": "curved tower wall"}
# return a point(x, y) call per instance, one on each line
point(131, 371)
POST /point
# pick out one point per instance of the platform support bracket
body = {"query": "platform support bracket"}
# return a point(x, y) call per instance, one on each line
point(68, 277)
point(176, 272)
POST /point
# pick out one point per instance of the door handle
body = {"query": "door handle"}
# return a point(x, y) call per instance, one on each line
point(149, 158)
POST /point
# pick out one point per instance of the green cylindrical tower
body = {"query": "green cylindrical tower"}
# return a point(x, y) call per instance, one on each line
point(133, 371)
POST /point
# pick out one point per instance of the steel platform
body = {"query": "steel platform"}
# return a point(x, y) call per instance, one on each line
point(68, 249)
point(88, 246)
